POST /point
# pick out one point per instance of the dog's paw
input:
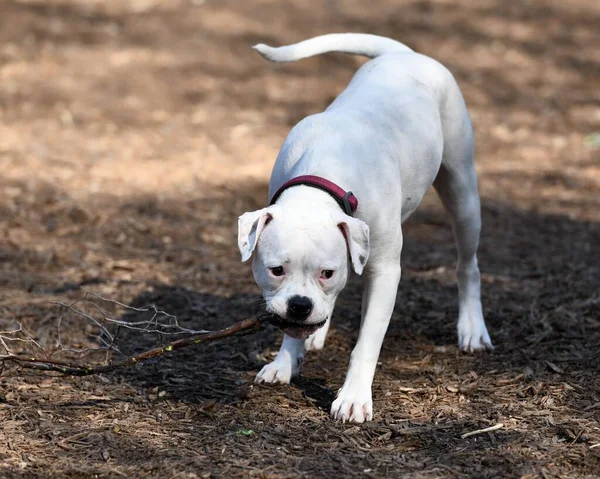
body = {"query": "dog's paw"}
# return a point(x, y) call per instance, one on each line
point(353, 404)
point(279, 371)
point(473, 336)
point(316, 340)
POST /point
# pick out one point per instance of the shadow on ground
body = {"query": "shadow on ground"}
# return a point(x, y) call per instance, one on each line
point(133, 135)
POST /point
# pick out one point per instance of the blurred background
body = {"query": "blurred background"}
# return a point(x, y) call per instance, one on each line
point(134, 132)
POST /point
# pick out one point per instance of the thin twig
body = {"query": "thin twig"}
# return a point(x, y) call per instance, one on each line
point(12, 336)
point(482, 431)
point(576, 438)
point(160, 322)
point(248, 326)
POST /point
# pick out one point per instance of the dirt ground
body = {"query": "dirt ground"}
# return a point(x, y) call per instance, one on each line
point(132, 135)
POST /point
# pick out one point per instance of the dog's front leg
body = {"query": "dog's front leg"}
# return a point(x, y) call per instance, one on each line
point(316, 340)
point(354, 401)
point(286, 364)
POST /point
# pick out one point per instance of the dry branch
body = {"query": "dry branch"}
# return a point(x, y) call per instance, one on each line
point(105, 330)
point(482, 431)
point(248, 326)
point(160, 322)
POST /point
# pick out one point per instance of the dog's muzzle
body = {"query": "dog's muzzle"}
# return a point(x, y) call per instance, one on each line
point(295, 329)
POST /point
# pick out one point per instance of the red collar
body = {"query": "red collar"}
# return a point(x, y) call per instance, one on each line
point(346, 200)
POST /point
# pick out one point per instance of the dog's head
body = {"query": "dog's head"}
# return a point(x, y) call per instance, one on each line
point(301, 261)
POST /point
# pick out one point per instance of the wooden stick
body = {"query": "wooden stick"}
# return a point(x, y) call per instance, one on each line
point(248, 326)
point(482, 431)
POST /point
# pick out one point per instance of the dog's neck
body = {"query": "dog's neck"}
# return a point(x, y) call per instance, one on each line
point(306, 198)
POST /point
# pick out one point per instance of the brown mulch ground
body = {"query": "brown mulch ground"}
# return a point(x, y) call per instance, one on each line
point(132, 134)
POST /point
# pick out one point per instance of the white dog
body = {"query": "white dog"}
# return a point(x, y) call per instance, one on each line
point(400, 126)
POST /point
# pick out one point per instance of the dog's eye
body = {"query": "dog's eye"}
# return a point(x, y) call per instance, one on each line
point(277, 271)
point(326, 274)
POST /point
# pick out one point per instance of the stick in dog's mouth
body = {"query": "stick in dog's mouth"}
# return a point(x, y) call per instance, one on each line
point(295, 330)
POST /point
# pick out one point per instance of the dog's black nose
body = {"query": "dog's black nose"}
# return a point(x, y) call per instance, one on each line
point(299, 307)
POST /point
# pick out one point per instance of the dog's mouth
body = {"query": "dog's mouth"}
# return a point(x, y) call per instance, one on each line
point(296, 330)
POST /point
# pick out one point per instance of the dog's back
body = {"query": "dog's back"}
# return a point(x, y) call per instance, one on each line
point(399, 92)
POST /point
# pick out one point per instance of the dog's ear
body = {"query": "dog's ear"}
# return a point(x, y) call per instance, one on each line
point(356, 233)
point(250, 226)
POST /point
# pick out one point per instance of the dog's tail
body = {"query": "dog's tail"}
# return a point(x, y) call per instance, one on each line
point(354, 43)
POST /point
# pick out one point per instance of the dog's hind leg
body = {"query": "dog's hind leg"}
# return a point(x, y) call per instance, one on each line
point(456, 185)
